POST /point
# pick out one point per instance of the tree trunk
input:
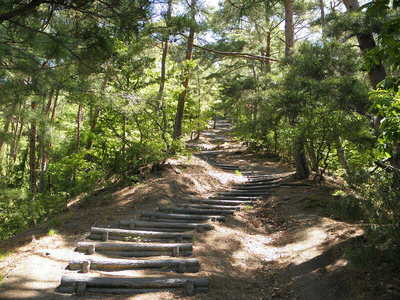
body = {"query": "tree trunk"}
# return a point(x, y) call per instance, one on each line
point(395, 162)
point(268, 53)
point(78, 127)
point(32, 152)
point(182, 97)
point(53, 110)
point(5, 131)
point(366, 42)
point(322, 10)
point(7, 123)
point(342, 157)
point(17, 138)
point(289, 27)
point(313, 157)
point(44, 144)
point(302, 170)
point(160, 95)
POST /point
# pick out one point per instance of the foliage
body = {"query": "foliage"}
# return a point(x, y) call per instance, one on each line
point(81, 104)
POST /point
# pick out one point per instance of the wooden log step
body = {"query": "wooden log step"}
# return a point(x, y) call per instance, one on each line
point(189, 265)
point(222, 202)
point(256, 184)
point(226, 165)
point(209, 206)
point(251, 179)
point(240, 198)
point(136, 249)
point(182, 216)
point(107, 233)
point(195, 211)
point(131, 254)
point(182, 221)
point(242, 193)
point(233, 168)
point(257, 173)
point(112, 291)
point(255, 188)
point(260, 178)
point(81, 284)
point(169, 225)
point(140, 239)
point(180, 230)
point(229, 169)
point(296, 184)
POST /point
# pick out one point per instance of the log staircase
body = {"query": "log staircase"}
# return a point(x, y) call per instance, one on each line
point(160, 240)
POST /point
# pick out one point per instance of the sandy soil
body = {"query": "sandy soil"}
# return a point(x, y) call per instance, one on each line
point(279, 249)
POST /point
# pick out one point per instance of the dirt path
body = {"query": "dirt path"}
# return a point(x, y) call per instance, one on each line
point(281, 248)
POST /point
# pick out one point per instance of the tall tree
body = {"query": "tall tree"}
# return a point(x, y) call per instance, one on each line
point(160, 95)
point(185, 84)
point(289, 27)
point(366, 42)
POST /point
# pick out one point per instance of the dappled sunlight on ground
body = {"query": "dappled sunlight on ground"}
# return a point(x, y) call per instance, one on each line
point(275, 250)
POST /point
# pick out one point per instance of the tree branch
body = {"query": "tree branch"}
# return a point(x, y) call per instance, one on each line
point(21, 10)
point(238, 54)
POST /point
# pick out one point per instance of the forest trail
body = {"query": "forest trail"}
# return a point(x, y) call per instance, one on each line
point(262, 239)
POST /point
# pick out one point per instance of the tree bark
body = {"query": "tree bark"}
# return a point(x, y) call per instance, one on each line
point(268, 52)
point(32, 152)
point(342, 157)
point(160, 95)
point(44, 144)
point(313, 157)
point(366, 41)
point(182, 96)
point(302, 170)
point(17, 138)
point(322, 10)
point(289, 27)
point(78, 127)
point(7, 123)
point(5, 130)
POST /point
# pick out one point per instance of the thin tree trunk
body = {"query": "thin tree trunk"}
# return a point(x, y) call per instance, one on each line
point(182, 96)
point(78, 127)
point(322, 10)
point(342, 156)
point(313, 157)
point(160, 95)
point(7, 123)
point(17, 138)
point(94, 114)
point(268, 53)
point(44, 144)
point(32, 152)
point(289, 27)
point(5, 131)
point(53, 111)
